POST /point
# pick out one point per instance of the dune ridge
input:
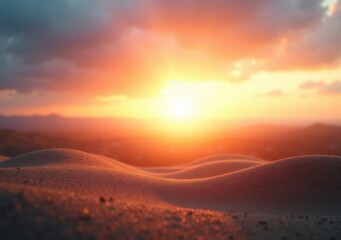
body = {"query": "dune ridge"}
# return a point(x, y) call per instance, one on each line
point(210, 169)
point(306, 184)
point(223, 157)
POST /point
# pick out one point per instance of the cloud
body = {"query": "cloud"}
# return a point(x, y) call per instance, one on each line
point(322, 88)
point(332, 88)
point(318, 48)
point(48, 44)
point(112, 99)
point(7, 94)
point(235, 29)
point(272, 93)
point(311, 85)
point(130, 47)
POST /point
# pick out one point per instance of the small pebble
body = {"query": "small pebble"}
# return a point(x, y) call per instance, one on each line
point(85, 214)
point(262, 222)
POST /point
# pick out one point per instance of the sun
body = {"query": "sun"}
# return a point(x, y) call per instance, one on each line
point(187, 103)
point(187, 107)
point(180, 109)
point(179, 103)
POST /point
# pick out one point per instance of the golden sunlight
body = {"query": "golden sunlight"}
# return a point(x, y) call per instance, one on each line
point(180, 109)
point(181, 101)
point(185, 101)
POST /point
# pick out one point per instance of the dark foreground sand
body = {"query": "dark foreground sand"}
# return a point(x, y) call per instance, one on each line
point(59, 193)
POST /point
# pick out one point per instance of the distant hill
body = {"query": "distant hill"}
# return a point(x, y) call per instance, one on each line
point(150, 150)
point(75, 127)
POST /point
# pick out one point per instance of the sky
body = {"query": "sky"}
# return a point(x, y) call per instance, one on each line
point(179, 59)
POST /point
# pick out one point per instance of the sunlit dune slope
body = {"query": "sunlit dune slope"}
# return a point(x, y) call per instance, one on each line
point(202, 161)
point(210, 169)
point(224, 157)
point(162, 170)
point(58, 157)
point(307, 184)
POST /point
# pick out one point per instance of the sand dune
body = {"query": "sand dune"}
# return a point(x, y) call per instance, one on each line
point(224, 157)
point(201, 161)
point(64, 158)
point(161, 170)
point(57, 157)
point(308, 184)
point(302, 185)
point(210, 169)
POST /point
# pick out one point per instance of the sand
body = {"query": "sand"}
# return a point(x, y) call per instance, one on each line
point(2, 158)
point(210, 169)
point(62, 193)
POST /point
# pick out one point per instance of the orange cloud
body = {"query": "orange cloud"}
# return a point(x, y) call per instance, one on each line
point(322, 87)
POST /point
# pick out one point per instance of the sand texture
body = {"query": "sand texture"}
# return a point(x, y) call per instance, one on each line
point(62, 193)
point(2, 158)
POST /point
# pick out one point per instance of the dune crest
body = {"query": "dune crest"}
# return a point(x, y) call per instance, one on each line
point(210, 169)
point(223, 157)
point(303, 185)
point(55, 157)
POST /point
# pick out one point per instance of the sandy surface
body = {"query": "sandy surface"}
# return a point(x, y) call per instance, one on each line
point(2, 158)
point(62, 193)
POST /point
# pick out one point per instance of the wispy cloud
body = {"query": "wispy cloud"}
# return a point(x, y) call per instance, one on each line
point(272, 93)
point(7, 94)
point(112, 99)
point(311, 85)
point(322, 88)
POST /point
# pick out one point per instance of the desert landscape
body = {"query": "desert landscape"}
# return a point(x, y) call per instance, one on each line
point(181, 119)
point(63, 193)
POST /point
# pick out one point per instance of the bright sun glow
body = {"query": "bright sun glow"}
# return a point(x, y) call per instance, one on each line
point(184, 101)
point(180, 102)
point(180, 109)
